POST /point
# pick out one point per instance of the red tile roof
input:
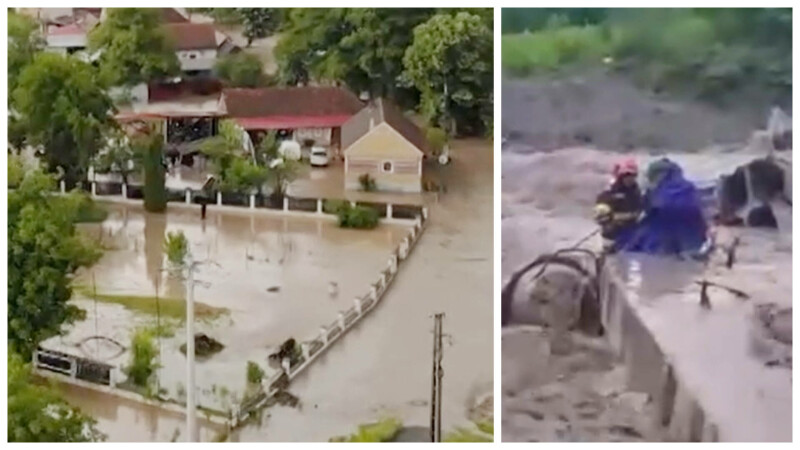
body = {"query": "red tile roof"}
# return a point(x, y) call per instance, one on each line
point(308, 101)
point(191, 36)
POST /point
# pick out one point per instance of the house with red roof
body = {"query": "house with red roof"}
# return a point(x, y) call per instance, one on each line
point(305, 113)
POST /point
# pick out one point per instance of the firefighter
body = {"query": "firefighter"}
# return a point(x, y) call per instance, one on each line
point(619, 206)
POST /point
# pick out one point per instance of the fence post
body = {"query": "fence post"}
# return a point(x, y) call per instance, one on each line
point(388, 210)
point(393, 263)
point(373, 292)
point(403, 250)
point(357, 304)
point(341, 320)
point(219, 198)
point(306, 351)
point(323, 334)
point(94, 189)
point(319, 206)
point(124, 190)
point(63, 186)
point(252, 201)
point(285, 203)
point(188, 196)
point(425, 212)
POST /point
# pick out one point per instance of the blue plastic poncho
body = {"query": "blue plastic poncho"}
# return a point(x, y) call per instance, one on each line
point(673, 222)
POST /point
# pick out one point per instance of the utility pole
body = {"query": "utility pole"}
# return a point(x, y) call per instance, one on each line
point(436, 385)
point(191, 418)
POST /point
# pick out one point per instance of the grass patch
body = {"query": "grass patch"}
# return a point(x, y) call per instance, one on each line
point(383, 430)
point(172, 308)
point(551, 49)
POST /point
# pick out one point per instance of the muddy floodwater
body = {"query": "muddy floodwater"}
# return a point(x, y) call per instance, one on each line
point(383, 366)
point(546, 205)
point(272, 276)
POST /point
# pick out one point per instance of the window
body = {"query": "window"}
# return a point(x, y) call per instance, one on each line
point(386, 167)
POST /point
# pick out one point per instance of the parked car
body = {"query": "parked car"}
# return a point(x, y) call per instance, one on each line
point(319, 157)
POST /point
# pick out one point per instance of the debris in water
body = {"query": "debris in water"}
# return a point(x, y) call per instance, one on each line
point(204, 346)
point(273, 289)
point(333, 289)
point(705, 301)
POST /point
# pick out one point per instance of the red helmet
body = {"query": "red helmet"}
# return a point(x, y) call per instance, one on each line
point(626, 167)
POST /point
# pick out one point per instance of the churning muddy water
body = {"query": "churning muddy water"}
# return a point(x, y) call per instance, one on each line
point(586, 395)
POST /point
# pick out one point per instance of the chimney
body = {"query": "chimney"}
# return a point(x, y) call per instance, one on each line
point(371, 122)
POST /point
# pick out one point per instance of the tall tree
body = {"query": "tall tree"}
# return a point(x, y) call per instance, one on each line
point(155, 193)
point(259, 22)
point(37, 413)
point(450, 63)
point(44, 250)
point(134, 47)
point(63, 108)
point(24, 41)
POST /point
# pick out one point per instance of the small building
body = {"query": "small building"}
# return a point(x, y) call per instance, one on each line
point(197, 46)
point(380, 141)
point(308, 113)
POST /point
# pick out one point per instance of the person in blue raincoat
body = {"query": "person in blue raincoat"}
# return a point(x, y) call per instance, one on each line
point(672, 222)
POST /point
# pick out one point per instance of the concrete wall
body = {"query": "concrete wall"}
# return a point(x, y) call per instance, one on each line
point(197, 59)
point(380, 147)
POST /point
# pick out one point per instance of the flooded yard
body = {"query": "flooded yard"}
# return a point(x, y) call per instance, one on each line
point(263, 279)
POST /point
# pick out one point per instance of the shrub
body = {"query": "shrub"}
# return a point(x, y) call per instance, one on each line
point(367, 183)
point(437, 138)
point(143, 358)
point(86, 210)
point(176, 246)
point(362, 217)
point(254, 373)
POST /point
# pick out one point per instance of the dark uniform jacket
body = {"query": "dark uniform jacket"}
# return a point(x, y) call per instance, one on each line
point(625, 204)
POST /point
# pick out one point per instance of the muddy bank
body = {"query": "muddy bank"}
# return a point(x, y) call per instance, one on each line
point(610, 112)
point(574, 396)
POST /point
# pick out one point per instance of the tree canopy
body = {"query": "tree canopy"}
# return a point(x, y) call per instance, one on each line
point(63, 107)
point(259, 22)
point(134, 47)
point(24, 41)
point(240, 70)
point(44, 250)
point(450, 63)
point(363, 48)
point(36, 413)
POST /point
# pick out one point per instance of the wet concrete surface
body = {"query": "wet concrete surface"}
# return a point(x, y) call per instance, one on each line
point(383, 366)
point(251, 254)
point(547, 199)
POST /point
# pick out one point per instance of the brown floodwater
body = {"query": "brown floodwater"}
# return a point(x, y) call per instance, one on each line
point(272, 274)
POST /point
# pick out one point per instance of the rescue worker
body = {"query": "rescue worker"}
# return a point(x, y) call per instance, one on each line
point(618, 208)
point(673, 221)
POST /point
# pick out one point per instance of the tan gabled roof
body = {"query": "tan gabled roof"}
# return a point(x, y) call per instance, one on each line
point(378, 112)
point(191, 36)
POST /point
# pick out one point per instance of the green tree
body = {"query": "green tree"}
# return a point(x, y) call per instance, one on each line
point(65, 110)
point(450, 63)
point(134, 46)
point(24, 41)
point(259, 22)
point(155, 192)
point(44, 250)
point(119, 156)
point(37, 413)
point(362, 47)
point(240, 70)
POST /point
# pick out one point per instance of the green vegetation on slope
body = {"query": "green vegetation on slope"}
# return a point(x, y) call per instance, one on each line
point(708, 53)
point(384, 430)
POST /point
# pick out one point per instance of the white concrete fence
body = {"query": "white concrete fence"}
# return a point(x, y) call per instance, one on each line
point(114, 191)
